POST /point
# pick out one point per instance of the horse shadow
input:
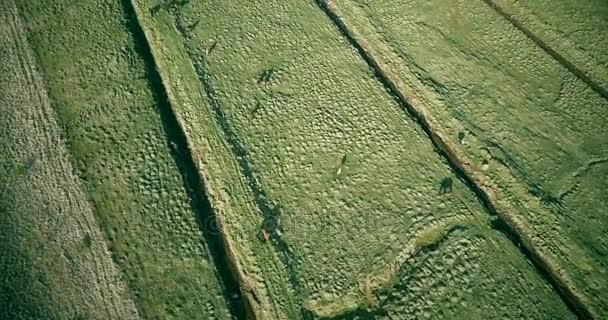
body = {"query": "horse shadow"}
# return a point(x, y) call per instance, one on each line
point(446, 185)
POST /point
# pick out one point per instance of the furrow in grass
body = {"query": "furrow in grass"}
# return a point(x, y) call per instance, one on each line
point(270, 213)
point(231, 273)
point(128, 156)
point(520, 120)
point(560, 282)
point(582, 75)
point(55, 262)
point(194, 184)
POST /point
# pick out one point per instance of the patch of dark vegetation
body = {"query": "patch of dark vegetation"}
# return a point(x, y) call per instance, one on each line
point(566, 293)
point(360, 314)
point(167, 5)
point(21, 293)
point(87, 241)
point(177, 142)
point(265, 76)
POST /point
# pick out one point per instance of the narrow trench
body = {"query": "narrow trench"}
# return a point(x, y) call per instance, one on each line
point(570, 299)
point(550, 51)
point(270, 212)
point(182, 156)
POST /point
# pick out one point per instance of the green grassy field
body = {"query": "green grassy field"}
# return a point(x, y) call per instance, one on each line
point(574, 29)
point(346, 186)
point(54, 260)
point(127, 153)
point(533, 131)
point(317, 159)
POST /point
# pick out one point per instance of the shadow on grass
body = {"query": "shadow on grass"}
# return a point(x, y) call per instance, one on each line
point(176, 140)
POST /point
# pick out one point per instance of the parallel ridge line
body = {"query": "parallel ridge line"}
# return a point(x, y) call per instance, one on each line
point(546, 267)
point(74, 215)
point(547, 48)
point(223, 255)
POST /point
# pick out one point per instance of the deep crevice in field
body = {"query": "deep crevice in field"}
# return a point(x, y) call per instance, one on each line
point(550, 51)
point(270, 212)
point(181, 154)
point(503, 222)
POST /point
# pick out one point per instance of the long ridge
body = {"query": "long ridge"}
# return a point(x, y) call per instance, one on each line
point(580, 74)
point(558, 282)
point(217, 241)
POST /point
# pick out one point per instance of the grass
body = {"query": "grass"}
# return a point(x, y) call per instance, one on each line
point(578, 38)
point(44, 214)
point(123, 146)
point(227, 159)
point(531, 125)
point(288, 133)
